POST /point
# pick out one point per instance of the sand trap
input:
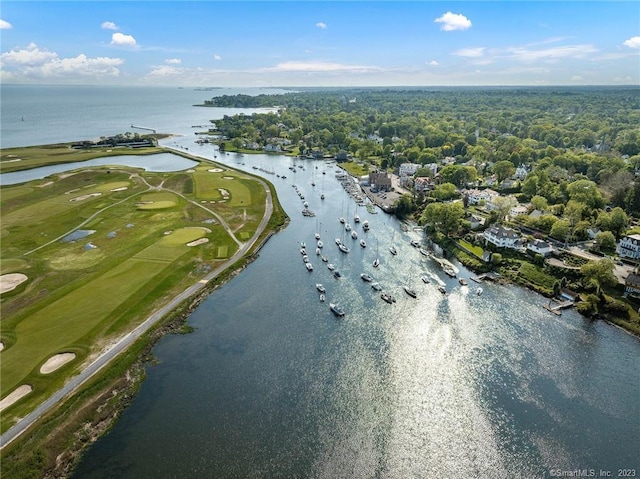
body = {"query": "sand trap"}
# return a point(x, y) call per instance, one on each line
point(57, 361)
point(9, 282)
point(84, 197)
point(223, 192)
point(216, 170)
point(228, 177)
point(1, 345)
point(122, 188)
point(45, 184)
point(18, 393)
point(199, 241)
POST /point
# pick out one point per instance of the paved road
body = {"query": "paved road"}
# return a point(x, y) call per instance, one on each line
point(124, 342)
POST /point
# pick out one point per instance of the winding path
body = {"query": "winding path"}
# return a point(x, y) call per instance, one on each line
point(124, 342)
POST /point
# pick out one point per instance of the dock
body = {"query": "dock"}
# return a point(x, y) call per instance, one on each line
point(490, 276)
point(558, 307)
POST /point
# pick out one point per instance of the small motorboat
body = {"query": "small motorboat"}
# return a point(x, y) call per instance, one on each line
point(376, 286)
point(322, 297)
point(410, 291)
point(388, 298)
point(363, 243)
point(366, 277)
point(336, 309)
point(320, 287)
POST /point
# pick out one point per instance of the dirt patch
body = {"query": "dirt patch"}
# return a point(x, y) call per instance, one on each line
point(9, 282)
point(55, 362)
point(15, 395)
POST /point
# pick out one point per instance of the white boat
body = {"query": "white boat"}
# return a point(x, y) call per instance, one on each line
point(338, 241)
point(318, 251)
point(305, 258)
point(354, 235)
point(303, 244)
point(342, 220)
point(347, 227)
point(356, 218)
point(320, 244)
point(320, 287)
point(331, 266)
point(375, 285)
point(317, 236)
point(425, 278)
point(365, 225)
point(376, 263)
point(410, 291)
point(393, 250)
point(415, 243)
point(442, 289)
point(479, 291)
point(322, 298)
point(322, 196)
point(309, 266)
point(324, 259)
point(363, 243)
point(366, 277)
point(303, 251)
point(343, 248)
point(336, 309)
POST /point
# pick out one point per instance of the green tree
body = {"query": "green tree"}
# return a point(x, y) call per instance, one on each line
point(443, 217)
point(560, 230)
point(599, 274)
point(444, 192)
point(539, 203)
point(606, 241)
point(503, 169)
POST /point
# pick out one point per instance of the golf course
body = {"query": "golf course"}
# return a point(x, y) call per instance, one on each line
point(89, 254)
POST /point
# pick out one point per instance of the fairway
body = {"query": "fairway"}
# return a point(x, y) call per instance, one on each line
point(83, 292)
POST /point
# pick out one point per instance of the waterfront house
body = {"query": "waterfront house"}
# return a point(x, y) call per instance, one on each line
point(502, 237)
point(422, 184)
point(632, 285)
point(540, 247)
point(629, 247)
point(474, 220)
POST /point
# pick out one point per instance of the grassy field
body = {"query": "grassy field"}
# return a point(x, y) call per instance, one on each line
point(83, 293)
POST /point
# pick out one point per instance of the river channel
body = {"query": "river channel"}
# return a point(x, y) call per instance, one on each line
point(272, 384)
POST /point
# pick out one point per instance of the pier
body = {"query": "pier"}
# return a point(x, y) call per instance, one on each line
point(143, 128)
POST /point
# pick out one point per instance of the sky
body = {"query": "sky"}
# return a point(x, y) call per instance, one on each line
point(312, 43)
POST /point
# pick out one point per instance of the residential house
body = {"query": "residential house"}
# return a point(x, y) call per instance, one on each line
point(422, 183)
point(632, 284)
point(521, 172)
point(406, 172)
point(476, 196)
point(540, 247)
point(502, 237)
point(593, 232)
point(518, 210)
point(476, 221)
point(629, 247)
point(272, 148)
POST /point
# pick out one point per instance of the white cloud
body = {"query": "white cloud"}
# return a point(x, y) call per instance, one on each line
point(322, 25)
point(173, 61)
point(217, 57)
point(470, 52)
point(295, 66)
point(4, 25)
point(577, 78)
point(32, 55)
point(453, 21)
point(633, 42)
point(433, 63)
point(32, 62)
point(122, 39)
point(109, 26)
point(554, 53)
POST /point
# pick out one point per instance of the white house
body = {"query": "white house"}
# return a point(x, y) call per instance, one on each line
point(502, 237)
point(629, 247)
point(521, 173)
point(540, 247)
point(518, 210)
point(408, 169)
point(476, 196)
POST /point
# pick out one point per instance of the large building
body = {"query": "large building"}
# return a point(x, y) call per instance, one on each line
point(629, 247)
point(502, 237)
point(379, 181)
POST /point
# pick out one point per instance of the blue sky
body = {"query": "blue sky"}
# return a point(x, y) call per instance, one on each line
point(310, 43)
